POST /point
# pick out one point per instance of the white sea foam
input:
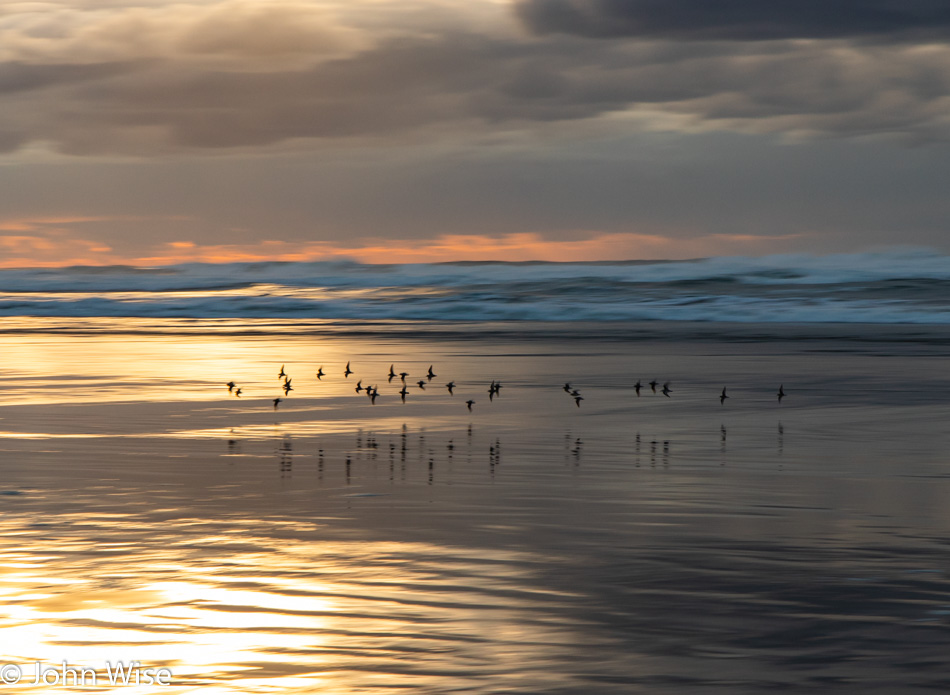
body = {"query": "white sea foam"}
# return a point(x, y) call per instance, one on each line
point(906, 286)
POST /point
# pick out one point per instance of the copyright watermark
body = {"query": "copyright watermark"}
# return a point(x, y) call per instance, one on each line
point(111, 673)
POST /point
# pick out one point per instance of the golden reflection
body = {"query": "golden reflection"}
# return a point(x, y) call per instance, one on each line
point(234, 611)
point(117, 368)
point(166, 385)
point(235, 602)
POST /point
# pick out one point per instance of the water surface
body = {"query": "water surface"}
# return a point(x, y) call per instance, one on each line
point(632, 544)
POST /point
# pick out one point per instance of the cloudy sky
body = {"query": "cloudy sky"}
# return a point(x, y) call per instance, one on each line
point(142, 131)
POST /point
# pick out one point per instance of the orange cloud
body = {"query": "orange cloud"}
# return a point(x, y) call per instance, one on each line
point(30, 224)
point(449, 247)
point(59, 247)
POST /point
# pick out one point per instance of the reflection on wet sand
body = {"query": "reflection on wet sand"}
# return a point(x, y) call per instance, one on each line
point(230, 607)
point(529, 546)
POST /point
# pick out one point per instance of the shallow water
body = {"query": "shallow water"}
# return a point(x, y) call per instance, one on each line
point(633, 544)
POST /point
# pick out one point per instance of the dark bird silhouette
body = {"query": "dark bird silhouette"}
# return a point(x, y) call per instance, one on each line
point(421, 384)
point(450, 386)
point(320, 373)
point(666, 389)
point(276, 402)
point(402, 394)
point(567, 388)
point(347, 371)
point(469, 404)
point(238, 393)
point(403, 375)
point(577, 400)
point(392, 373)
point(287, 387)
point(636, 387)
point(653, 385)
point(430, 374)
point(282, 374)
point(723, 396)
point(781, 393)
point(231, 386)
point(372, 396)
point(359, 386)
point(575, 393)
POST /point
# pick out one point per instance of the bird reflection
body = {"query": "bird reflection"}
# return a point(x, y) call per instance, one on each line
point(285, 456)
point(722, 444)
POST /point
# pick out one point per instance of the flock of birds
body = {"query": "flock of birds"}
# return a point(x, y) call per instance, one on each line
point(494, 389)
point(372, 392)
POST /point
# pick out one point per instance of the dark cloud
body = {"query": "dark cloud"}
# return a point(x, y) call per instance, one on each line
point(456, 84)
point(742, 20)
point(17, 76)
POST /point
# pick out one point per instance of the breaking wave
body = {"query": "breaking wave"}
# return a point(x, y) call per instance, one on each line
point(888, 287)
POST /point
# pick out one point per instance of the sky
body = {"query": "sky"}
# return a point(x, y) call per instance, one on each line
point(151, 133)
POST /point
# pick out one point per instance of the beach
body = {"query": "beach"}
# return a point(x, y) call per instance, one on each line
point(505, 347)
point(632, 543)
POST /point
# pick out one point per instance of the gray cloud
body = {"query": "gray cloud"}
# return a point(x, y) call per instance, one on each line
point(742, 20)
point(191, 83)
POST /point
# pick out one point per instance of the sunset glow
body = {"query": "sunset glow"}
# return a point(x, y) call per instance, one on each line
point(425, 131)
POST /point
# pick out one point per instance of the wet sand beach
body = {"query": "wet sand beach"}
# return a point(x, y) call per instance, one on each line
point(630, 544)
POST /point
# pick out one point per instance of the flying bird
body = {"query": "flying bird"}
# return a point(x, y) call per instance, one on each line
point(636, 387)
point(781, 393)
point(276, 401)
point(320, 373)
point(359, 386)
point(450, 386)
point(282, 374)
point(421, 384)
point(666, 389)
point(430, 374)
point(231, 386)
point(653, 385)
point(723, 396)
point(469, 404)
point(347, 371)
point(567, 388)
point(238, 393)
point(392, 373)
point(577, 400)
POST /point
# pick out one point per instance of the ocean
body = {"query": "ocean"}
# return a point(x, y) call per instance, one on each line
point(909, 286)
point(629, 542)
